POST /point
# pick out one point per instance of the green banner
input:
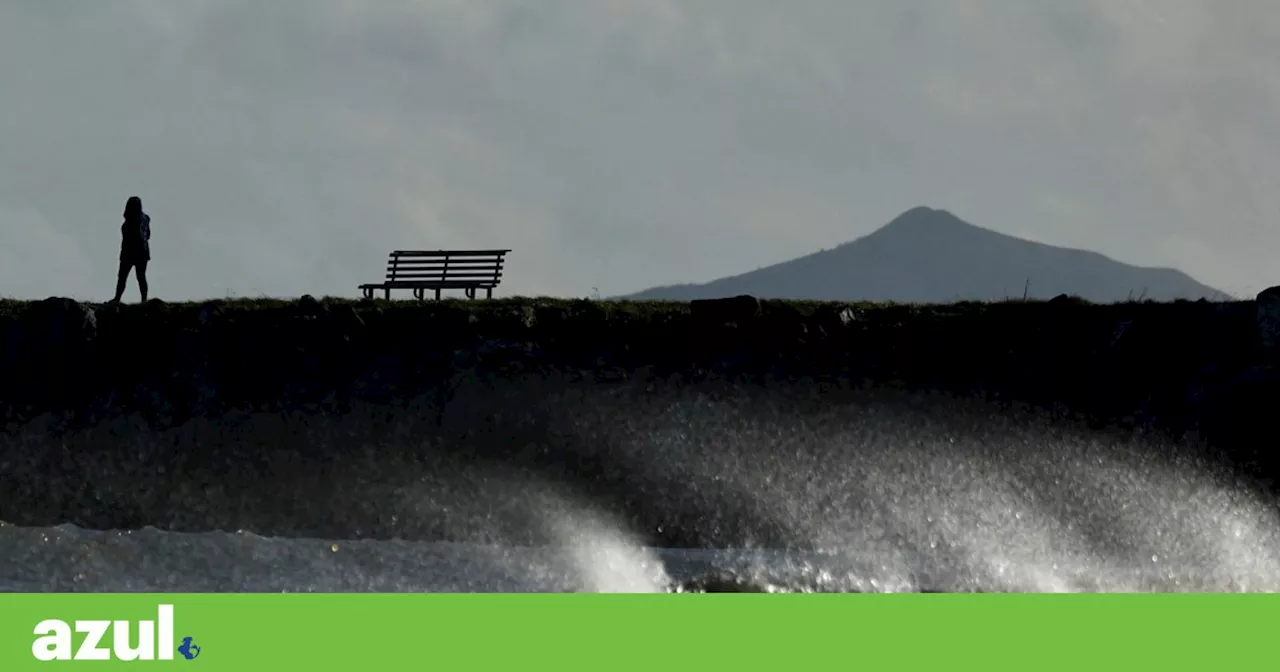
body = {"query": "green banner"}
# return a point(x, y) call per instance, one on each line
point(642, 632)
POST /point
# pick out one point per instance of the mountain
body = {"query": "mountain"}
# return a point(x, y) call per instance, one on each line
point(932, 256)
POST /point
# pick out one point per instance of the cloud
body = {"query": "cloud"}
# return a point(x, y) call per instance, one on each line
point(283, 148)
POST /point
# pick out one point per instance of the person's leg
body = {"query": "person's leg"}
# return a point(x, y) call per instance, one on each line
point(122, 277)
point(142, 278)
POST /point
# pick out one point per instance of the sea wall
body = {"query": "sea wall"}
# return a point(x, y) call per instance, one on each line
point(1151, 364)
point(189, 402)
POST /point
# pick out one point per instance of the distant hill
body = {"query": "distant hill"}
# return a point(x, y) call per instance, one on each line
point(932, 256)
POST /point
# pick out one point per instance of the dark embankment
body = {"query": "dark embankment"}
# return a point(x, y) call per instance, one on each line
point(463, 421)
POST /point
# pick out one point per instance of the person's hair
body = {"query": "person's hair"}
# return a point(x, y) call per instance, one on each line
point(132, 207)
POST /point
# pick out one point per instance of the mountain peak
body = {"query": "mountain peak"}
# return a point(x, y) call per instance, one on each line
point(922, 217)
point(929, 255)
point(918, 212)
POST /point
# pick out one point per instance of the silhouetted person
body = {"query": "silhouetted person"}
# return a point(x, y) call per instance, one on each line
point(135, 247)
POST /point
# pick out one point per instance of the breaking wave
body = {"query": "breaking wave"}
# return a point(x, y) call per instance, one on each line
point(776, 494)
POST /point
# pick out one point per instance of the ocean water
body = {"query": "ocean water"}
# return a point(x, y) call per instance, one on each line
point(850, 498)
point(68, 559)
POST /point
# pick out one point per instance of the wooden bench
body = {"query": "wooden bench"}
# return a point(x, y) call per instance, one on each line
point(421, 270)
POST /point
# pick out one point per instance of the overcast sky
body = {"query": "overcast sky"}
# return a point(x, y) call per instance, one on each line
point(284, 147)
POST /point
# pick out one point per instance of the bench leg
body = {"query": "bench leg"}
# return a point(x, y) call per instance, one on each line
point(488, 292)
point(388, 293)
point(419, 293)
point(437, 294)
point(471, 292)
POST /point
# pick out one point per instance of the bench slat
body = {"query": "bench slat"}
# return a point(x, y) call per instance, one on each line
point(432, 283)
point(473, 259)
point(437, 261)
point(442, 269)
point(489, 273)
point(449, 253)
point(443, 276)
point(451, 265)
point(429, 284)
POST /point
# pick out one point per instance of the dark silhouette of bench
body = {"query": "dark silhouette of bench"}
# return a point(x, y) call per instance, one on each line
point(421, 270)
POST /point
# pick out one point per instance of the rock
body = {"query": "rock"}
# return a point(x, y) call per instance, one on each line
point(586, 309)
point(1063, 300)
point(836, 315)
point(309, 309)
point(58, 321)
point(782, 311)
point(1267, 316)
point(784, 321)
point(736, 310)
point(308, 305)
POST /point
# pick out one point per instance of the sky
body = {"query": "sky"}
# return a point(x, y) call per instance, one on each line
point(283, 148)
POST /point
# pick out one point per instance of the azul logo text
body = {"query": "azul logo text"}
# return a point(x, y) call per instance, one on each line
point(105, 640)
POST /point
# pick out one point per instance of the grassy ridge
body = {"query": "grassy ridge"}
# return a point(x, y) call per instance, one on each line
point(632, 311)
point(628, 310)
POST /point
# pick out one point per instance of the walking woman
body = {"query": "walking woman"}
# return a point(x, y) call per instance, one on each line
point(135, 247)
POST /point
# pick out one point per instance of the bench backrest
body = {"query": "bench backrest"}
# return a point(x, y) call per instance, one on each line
point(483, 267)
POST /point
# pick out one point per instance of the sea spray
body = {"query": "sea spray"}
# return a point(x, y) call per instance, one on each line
point(778, 489)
